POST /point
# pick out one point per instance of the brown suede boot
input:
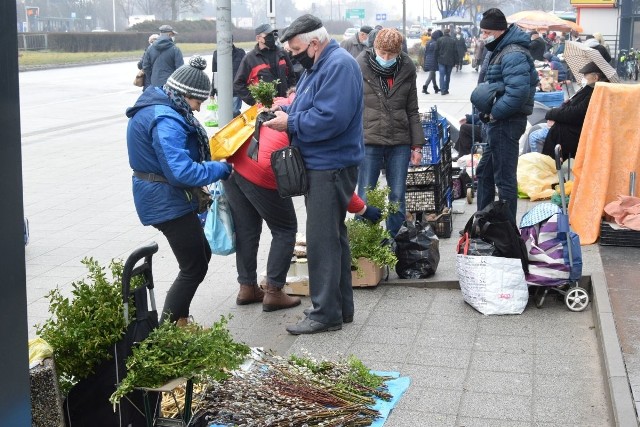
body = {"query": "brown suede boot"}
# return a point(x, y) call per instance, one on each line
point(249, 294)
point(277, 299)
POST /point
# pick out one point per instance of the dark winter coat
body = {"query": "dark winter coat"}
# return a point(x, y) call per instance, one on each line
point(255, 66)
point(537, 48)
point(236, 58)
point(569, 119)
point(160, 60)
point(391, 119)
point(447, 52)
point(461, 49)
point(516, 70)
point(353, 45)
point(430, 61)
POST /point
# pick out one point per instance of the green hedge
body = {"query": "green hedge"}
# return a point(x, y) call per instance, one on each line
point(97, 42)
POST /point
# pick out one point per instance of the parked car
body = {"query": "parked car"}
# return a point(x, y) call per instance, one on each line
point(415, 31)
point(350, 32)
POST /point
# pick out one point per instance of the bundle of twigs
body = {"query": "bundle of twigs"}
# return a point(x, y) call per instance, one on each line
point(279, 393)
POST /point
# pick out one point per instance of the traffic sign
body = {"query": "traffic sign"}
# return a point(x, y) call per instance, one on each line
point(381, 16)
point(355, 13)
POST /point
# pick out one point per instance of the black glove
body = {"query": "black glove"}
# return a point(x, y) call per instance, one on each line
point(372, 214)
point(214, 92)
point(484, 118)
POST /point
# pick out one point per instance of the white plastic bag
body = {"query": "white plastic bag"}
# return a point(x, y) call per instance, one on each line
point(492, 285)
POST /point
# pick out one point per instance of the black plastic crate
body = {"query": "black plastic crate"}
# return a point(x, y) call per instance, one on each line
point(427, 199)
point(437, 175)
point(611, 237)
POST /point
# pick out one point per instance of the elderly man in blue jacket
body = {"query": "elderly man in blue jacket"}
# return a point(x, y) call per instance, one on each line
point(510, 65)
point(325, 122)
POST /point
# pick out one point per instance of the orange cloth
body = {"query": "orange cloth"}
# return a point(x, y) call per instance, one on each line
point(608, 150)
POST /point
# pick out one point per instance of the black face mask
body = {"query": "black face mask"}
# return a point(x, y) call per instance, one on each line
point(303, 59)
point(270, 41)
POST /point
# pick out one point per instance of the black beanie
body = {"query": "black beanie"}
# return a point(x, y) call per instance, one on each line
point(493, 19)
point(191, 80)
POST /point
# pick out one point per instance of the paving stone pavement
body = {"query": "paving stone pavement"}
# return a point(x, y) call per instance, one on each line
point(541, 368)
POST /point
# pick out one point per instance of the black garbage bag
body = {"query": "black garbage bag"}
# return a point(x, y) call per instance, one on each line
point(417, 248)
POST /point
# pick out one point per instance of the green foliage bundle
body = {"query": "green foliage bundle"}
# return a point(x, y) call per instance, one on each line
point(264, 92)
point(83, 329)
point(171, 352)
point(371, 241)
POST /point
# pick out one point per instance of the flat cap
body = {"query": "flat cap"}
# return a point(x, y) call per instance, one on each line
point(365, 29)
point(264, 28)
point(302, 25)
point(591, 67)
point(167, 29)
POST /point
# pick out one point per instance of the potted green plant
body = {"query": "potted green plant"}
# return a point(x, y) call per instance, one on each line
point(263, 92)
point(370, 243)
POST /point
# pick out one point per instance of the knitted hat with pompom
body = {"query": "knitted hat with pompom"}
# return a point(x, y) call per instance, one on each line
point(190, 80)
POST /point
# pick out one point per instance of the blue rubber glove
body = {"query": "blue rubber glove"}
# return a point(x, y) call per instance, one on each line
point(372, 214)
point(226, 170)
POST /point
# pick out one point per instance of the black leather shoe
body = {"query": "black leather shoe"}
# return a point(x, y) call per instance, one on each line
point(437, 90)
point(308, 326)
point(445, 93)
point(347, 318)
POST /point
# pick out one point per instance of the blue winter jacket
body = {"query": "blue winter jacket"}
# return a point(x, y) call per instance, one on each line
point(517, 72)
point(325, 120)
point(160, 141)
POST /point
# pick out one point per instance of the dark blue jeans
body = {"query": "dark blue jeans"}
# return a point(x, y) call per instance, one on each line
point(499, 162)
point(250, 205)
point(191, 249)
point(395, 161)
point(328, 243)
point(445, 76)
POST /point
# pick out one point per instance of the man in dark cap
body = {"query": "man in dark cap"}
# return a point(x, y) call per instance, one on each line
point(356, 44)
point(268, 62)
point(162, 58)
point(510, 64)
point(325, 123)
point(447, 56)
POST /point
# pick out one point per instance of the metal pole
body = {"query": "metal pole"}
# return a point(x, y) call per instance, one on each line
point(225, 69)
point(15, 402)
point(113, 2)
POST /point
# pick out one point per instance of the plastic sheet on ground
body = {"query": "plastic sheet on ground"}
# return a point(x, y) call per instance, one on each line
point(396, 388)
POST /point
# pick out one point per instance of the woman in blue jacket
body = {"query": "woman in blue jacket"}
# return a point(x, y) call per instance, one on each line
point(430, 64)
point(170, 156)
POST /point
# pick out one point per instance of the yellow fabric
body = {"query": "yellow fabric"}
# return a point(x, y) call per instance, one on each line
point(609, 149)
point(39, 350)
point(536, 174)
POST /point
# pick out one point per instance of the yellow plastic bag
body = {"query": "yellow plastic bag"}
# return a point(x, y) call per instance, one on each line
point(235, 133)
point(39, 350)
point(536, 175)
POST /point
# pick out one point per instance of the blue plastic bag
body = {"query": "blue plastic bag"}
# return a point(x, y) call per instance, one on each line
point(218, 228)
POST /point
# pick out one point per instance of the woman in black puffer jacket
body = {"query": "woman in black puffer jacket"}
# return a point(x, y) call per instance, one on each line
point(430, 63)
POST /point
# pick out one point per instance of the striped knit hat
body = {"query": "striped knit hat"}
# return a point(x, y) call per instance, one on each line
point(190, 80)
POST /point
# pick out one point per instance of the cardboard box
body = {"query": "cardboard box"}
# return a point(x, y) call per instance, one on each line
point(369, 275)
point(298, 279)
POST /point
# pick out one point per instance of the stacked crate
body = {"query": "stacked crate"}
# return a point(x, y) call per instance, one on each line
point(429, 185)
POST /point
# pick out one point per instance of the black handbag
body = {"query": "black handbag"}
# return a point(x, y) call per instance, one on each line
point(289, 171)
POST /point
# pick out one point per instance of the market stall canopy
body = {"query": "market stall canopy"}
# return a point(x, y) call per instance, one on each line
point(577, 55)
point(541, 20)
point(453, 20)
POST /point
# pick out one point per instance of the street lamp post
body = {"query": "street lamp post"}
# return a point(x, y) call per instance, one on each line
point(113, 2)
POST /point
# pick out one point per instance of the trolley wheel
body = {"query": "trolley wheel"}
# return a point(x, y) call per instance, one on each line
point(576, 299)
point(539, 297)
point(469, 195)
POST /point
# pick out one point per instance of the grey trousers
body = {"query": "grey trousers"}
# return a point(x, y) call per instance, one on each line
point(328, 244)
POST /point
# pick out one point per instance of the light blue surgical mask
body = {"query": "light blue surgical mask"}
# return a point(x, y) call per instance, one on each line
point(489, 39)
point(386, 63)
